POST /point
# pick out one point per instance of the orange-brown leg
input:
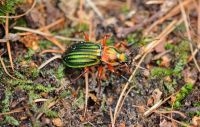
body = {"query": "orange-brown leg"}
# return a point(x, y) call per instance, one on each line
point(111, 68)
point(86, 36)
point(105, 38)
point(99, 77)
point(122, 46)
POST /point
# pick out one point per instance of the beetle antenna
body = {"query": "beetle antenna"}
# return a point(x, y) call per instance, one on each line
point(49, 60)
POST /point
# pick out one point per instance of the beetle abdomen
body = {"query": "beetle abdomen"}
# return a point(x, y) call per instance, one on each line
point(83, 54)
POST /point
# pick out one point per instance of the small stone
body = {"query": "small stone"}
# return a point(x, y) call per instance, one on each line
point(57, 122)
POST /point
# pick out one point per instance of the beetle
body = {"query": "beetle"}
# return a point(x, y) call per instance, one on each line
point(87, 53)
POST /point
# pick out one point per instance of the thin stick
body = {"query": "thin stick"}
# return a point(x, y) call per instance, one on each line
point(49, 60)
point(188, 34)
point(198, 41)
point(111, 118)
point(8, 43)
point(96, 10)
point(18, 16)
point(45, 34)
point(51, 51)
point(4, 67)
point(86, 92)
point(13, 111)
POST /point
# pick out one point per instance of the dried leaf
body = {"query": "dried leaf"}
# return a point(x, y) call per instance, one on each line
point(30, 41)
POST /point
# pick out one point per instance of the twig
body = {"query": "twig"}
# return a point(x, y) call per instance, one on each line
point(51, 51)
point(49, 60)
point(13, 111)
point(111, 118)
point(198, 26)
point(86, 92)
point(154, 107)
point(8, 43)
point(96, 10)
point(4, 67)
point(45, 34)
point(188, 34)
point(18, 16)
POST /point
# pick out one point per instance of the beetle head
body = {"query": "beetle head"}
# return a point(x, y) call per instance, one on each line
point(112, 56)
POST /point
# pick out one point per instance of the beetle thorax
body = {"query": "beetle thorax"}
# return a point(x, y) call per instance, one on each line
point(110, 56)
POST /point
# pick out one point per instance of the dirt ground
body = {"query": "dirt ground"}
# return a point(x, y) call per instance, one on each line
point(157, 86)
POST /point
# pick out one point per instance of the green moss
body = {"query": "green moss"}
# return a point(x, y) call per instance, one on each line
point(60, 72)
point(169, 46)
point(29, 55)
point(7, 7)
point(110, 41)
point(158, 72)
point(133, 38)
point(65, 94)
point(10, 120)
point(80, 101)
point(125, 9)
point(184, 91)
point(82, 27)
point(197, 104)
point(50, 113)
point(5, 104)
point(45, 44)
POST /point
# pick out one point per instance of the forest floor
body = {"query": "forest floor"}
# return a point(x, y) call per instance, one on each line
point(158, 86)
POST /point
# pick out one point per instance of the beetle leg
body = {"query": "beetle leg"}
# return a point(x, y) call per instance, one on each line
point(111, 68)
point(122, 46)
point(105, 38)
point(99, 76)
point(86, 36)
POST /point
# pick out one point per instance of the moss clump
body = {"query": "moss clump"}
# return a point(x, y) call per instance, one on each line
point(125, 9)
point(161, 72)
point(4, 107)
point(60, 72)
point(8, 6)
point(184, 91)
point(79, 102)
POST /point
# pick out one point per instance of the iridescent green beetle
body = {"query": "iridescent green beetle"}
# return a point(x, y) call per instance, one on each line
point(85, 54)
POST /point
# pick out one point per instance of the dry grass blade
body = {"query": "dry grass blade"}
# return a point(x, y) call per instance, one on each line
point(4, 67)
point(49, 60)
point(13, 111)
point(198, 25)
point(8, 43)
point(96, 10)
point(188, 33)
point(154, 107)
point(39, 32)
point(86, 92)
